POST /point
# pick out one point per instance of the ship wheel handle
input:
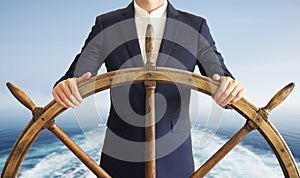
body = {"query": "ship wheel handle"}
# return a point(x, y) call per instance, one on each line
point(256, 118)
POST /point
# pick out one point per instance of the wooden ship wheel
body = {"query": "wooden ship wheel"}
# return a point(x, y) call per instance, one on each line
point(256, 118)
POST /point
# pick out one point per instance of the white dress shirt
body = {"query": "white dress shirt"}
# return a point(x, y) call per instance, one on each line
point(157, 19)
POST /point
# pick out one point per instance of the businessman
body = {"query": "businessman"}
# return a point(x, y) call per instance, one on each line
point(182, 41)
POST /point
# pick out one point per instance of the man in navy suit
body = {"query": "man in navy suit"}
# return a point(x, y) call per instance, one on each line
point(182, 41)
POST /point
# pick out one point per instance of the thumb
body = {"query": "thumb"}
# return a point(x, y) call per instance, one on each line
point(84, 77)
point(216, 77)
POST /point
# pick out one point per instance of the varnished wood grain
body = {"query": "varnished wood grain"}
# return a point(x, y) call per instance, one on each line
point(85, 158)
point(21, 96)
point(163, 75)
point(150, 106)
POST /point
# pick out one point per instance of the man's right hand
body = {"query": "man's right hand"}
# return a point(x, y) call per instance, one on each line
point(66, 92)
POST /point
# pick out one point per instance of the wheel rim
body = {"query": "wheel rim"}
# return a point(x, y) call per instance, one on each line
point(256, 118)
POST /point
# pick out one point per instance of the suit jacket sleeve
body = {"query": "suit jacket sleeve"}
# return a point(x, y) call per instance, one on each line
point(210, 61)
point(90, 58)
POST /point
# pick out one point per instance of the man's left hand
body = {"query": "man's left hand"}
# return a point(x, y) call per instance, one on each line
point(229, 92)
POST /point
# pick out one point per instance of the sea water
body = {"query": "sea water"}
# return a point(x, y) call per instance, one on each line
point(48, 157)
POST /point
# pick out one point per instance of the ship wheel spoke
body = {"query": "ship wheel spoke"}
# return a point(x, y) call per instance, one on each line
point(257, 118)
point(75, 149)
point(224, 150)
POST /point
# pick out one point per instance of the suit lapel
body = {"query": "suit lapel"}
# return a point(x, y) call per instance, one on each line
point(172, 30)
point(129, 32)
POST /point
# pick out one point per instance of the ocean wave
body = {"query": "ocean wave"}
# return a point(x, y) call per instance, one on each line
point(240, 162)
point(55, 160)
point(62, 163)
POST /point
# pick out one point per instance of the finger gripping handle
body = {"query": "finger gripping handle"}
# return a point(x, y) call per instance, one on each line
point(21, 96)
point(279, 97)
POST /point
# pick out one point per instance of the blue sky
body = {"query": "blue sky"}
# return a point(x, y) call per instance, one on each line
point(259, 40)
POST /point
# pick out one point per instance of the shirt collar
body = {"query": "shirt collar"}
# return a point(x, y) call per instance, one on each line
point(159, 12)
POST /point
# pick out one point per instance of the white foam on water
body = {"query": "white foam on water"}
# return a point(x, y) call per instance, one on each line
point(63, 163)
point(240, 162)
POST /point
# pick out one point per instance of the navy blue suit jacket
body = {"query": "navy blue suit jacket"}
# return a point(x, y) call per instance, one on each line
point(187, 42)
